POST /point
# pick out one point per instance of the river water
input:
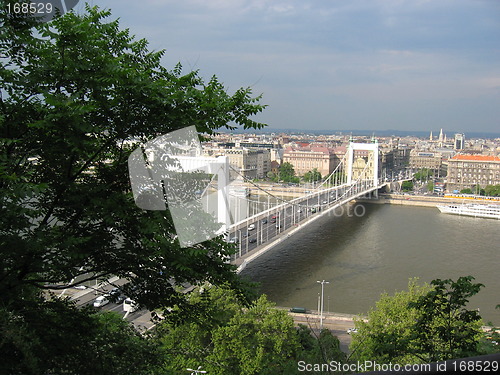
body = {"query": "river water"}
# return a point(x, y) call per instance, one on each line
point(369, 249)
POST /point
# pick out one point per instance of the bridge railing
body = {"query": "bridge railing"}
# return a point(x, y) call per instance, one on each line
point(287, 219)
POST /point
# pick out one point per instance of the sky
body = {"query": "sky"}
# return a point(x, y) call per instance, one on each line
point(338, 64)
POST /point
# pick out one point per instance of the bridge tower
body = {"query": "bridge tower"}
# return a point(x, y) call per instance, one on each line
point(372, 170)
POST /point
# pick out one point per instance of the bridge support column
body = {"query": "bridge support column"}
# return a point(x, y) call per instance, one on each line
point(373, 147)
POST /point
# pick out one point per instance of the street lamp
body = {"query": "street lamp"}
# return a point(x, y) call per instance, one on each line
point(322, 298)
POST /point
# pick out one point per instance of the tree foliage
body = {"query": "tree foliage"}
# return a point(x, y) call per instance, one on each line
point(77, 95)
point(492, 190)
point(446, 329)
point(56, 337)
point(312, 176)
point(424, 324)
point(423, 174)
point(286, 173)
point(386, 336)
point(407, 185)
point(475, 189)
point(230, 338)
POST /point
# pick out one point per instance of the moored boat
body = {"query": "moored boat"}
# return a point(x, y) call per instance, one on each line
point(491, 211)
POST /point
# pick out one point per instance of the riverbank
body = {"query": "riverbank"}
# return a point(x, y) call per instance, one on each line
point(413, 200)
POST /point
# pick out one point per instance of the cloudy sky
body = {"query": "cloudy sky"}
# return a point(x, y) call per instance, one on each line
point(338, 64)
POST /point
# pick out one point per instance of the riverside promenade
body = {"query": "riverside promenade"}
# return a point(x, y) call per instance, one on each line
point(337, 323)
point(416, 200)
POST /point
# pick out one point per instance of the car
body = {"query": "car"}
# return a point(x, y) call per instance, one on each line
point(252, 240)
point(251, 227)
point(116, 295)
point(129, 305)
point(302, 310)
point(273, 221)
point(101, 301)
point(352, 330)
point(234, 240)
point(264, 221)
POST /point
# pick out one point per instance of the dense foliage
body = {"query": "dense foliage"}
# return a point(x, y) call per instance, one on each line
point(312, 176)
point(421, 325)
point(407, 185)
point(489, 190)
point(423, 174)
point(77, 95)
point(286, 173)
point(227, 338)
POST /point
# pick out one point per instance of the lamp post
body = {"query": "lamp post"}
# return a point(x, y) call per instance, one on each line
point(322, 301)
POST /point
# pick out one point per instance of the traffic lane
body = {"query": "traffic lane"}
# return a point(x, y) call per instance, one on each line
point(93, 293)
point(279, 222)
point(118, 309)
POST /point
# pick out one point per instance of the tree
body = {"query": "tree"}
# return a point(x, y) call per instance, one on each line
point(476, 189)
point(55, 337)
point(407, 185)
point(260, 340)
point(230, 338)
point(425, 324)
point(430, 186)
point(77, 99)
point(286, 172)
point(386, 336)
point(312, 176)
point(492, 190)
point(423, 174)
point(77, 96)
point(446, 329)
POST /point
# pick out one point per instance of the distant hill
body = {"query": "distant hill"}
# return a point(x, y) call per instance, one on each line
point(377, 133)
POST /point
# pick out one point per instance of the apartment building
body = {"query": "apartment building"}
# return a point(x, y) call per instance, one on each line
point(425, 159)
point(466, 171)
point(305, 159)
point(250, 163)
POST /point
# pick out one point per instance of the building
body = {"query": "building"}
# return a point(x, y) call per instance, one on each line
point(394, 160)
point(467, 171)
point(459, 141)
point(425, 159)
point(305, 159)
point(250, 163)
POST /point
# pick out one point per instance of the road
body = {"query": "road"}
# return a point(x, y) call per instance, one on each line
point(338, 324)
point(141, 319)
point(252, 234)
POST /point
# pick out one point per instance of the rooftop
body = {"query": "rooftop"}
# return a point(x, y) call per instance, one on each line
point(476, 158)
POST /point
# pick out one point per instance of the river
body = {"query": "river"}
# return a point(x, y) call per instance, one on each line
point(370, 249)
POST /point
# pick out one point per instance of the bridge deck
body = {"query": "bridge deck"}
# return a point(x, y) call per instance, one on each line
point(259, 233)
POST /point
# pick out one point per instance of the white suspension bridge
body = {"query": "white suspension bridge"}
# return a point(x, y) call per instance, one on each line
point(357, 175)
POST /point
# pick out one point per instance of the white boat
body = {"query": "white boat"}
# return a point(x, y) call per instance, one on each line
point(491, 211)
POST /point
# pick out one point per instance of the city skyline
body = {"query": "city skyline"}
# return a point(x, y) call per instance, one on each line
point(371, 65)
